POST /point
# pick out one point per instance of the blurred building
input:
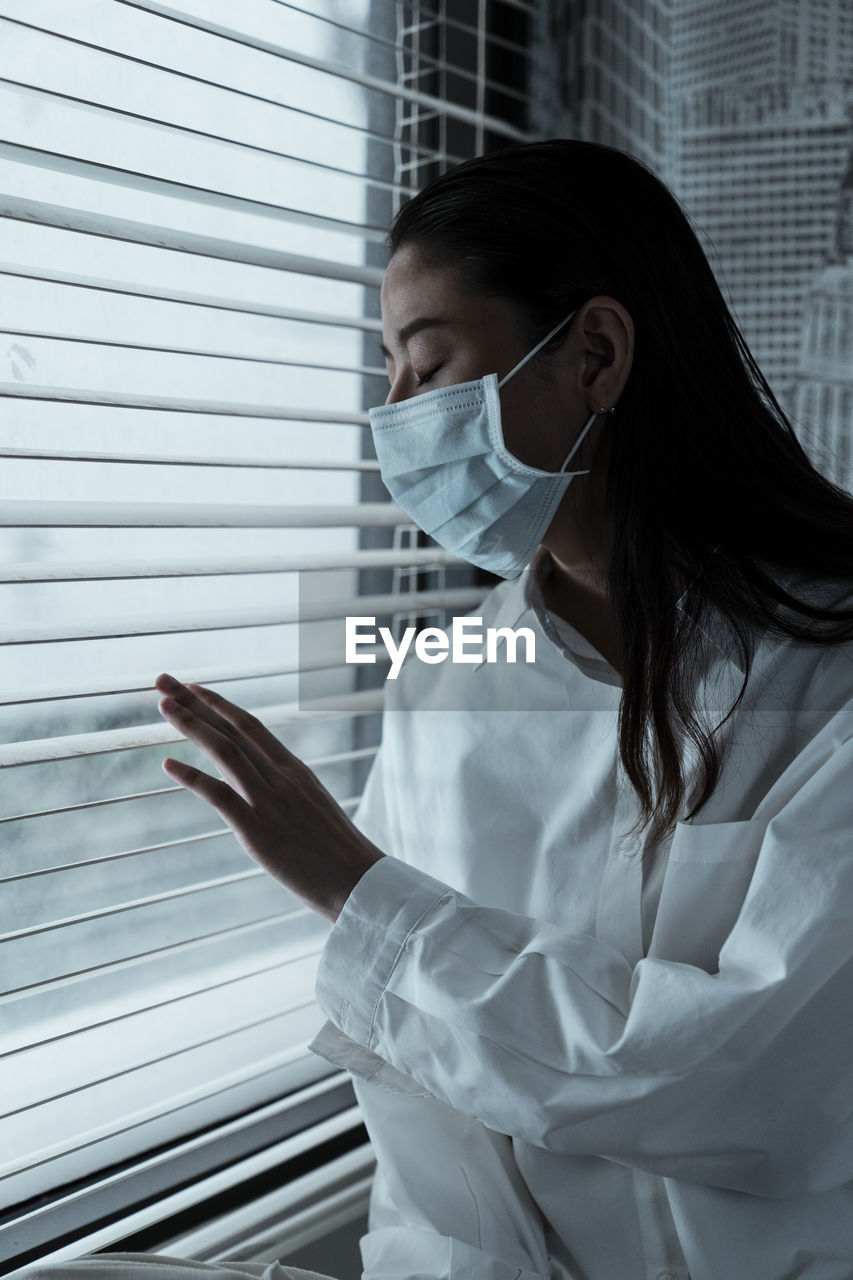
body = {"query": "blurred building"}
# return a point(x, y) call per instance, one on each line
point(602, 75)
point(760, 96)
point(822, 397)
point(737, 43)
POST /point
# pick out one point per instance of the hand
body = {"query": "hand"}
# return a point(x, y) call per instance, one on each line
point(276, 806)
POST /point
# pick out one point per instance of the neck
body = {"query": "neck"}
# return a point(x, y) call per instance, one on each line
point(579, 595)
point(576, 588)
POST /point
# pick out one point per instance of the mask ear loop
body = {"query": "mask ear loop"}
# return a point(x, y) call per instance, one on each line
point(590, 420)
point(536, 349)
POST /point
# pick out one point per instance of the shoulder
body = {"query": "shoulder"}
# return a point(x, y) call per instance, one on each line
point(818, 674)
point(800, 712)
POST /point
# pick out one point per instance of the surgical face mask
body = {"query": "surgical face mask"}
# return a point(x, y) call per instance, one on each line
point(443, 459)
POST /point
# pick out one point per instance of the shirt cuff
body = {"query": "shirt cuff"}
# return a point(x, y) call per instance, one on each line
point(363, 948)
point(335, 1047)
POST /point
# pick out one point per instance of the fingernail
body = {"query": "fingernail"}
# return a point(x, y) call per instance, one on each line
point(168, 682)
point(169, 704)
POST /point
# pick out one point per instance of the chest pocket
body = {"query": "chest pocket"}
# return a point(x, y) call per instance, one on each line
point(709, 870)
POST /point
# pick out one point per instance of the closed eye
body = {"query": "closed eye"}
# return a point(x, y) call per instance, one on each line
point(427, 377)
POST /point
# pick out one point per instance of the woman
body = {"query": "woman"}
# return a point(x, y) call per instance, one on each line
point(599, 1001)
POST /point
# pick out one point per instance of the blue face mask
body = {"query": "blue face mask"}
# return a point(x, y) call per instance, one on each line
point(443, 459)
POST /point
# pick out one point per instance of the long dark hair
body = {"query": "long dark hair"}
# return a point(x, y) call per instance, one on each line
point(707, 483)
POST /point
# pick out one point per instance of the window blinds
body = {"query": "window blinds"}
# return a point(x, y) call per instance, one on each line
point(193, 200)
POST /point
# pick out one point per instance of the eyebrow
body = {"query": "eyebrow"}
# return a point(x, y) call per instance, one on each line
point(414, 326)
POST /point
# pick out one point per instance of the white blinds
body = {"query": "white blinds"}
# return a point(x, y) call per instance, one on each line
point(188, 306)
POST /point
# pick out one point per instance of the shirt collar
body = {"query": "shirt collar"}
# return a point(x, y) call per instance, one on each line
point(525, 595)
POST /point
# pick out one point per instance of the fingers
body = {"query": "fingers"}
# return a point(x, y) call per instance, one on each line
point(245, 723)
point(233, 759)
point(230, 720)
point(217, 793)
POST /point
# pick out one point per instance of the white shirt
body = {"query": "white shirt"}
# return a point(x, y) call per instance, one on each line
point(571, 1066)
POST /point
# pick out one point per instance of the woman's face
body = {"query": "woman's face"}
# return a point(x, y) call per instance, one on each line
point(437, 334)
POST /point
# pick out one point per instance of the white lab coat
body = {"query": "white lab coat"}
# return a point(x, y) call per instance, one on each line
point(572, 1066)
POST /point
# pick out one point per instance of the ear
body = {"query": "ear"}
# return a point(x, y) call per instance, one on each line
point(607, 336)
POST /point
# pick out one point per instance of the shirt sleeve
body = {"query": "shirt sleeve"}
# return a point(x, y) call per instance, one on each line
point(738, 1078)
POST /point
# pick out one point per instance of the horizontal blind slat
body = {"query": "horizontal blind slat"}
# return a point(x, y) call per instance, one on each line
point(216, 17)
point(135, 904)
point(144, 289)
point(114, 936)
point(361, 753)
point(28, 421)
point(197, 515)
point(247, 75)
point(339, 757)
point(187, 1090)
point(99, 137)
point(199, 1189)
point(126, 952)
point(44, 252)
point(35, 1087)
point(89, 370)
point(101, 741)
point(276, 1076)
point(97, 570)
point(305, 943)
point(260, 616)
point(140, 683)
point(256, 463)
point(272, 922)
point(117, 346)
point(30, 307)
point(92, 75)
point(77, 196)
point(199, 837)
